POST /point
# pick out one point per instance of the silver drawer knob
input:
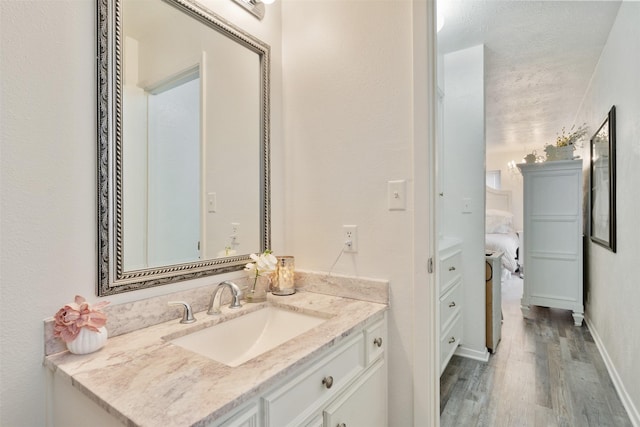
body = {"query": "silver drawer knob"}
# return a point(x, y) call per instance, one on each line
point(452, 340)
point(327, 381)
point(341, 425)
point(452, 268)
point(378, 341)
point(452, 304)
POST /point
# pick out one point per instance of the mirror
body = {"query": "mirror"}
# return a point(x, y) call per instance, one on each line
point(603, 183)
point(183, 134)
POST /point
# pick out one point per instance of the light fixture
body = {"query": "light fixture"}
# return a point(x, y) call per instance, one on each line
point(255, 7)
point(514, 172)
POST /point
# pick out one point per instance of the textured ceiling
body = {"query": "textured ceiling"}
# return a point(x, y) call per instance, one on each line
point(539, 58)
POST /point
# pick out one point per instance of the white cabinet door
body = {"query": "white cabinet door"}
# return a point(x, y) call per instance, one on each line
point(363, 404)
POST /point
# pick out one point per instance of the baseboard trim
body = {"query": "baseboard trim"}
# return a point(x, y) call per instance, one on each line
point(632, 411)
point(470, 353)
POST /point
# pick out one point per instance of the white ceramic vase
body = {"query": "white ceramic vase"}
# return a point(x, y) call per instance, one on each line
point(88, 341)
point(565, 153)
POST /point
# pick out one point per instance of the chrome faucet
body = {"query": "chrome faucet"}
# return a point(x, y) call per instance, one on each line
point(236, 294)
point(187, 314)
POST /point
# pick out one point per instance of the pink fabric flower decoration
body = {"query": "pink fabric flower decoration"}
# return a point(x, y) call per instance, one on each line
point(76, 315)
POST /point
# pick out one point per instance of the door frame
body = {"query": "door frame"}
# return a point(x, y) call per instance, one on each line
point(426, 376)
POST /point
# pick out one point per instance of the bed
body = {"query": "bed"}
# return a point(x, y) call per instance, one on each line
point(500, 234)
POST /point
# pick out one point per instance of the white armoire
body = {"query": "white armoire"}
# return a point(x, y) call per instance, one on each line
point(553, 236)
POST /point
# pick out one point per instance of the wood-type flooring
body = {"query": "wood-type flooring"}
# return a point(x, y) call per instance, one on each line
point(545, 372)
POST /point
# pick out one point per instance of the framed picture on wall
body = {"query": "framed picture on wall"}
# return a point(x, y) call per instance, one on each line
point(603, 183)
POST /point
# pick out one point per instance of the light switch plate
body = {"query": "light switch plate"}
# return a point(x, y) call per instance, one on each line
point(466, 205)
point(211, 202)
point(397, 195)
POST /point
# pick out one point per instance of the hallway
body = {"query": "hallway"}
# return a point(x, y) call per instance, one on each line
point(545, 372)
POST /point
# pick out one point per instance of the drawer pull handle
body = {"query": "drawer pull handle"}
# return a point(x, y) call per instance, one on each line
point(452, 340)
point(328, 381)
point(341, 425)
point(452, 304)
point(378, 341)
point(452, 268)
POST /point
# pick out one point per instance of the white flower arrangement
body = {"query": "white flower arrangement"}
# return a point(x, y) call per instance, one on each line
point(263, 265)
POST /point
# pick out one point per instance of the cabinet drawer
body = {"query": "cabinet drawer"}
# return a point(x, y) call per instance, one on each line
point(450, 270)
point(296, 400)
point(450, 305)
point(363, 404)
point(449, 341)
point(375, 339)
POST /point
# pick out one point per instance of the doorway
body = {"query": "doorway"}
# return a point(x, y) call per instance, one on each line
point(173, 204)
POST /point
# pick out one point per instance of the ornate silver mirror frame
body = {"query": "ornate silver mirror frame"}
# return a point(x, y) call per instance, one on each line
point(112, 277)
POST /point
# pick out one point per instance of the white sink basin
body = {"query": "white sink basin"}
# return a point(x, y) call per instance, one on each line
point(241, 339)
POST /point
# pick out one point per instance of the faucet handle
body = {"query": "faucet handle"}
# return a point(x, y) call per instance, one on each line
point(187, 315)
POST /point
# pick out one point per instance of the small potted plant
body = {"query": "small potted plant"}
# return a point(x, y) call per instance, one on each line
point(81, 326)
point(565, 143)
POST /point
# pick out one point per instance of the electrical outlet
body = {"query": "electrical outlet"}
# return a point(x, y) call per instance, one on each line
point(235, 228)
point(350, 237)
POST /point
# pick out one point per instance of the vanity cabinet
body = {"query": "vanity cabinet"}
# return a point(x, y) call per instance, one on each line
point(247, 416)
point(341, 387)
point(346, 385)
point(451, 298)
point(553, 226)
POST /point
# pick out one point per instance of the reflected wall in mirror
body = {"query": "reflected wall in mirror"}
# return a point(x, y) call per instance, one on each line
point(183, 115)
point(603, 183)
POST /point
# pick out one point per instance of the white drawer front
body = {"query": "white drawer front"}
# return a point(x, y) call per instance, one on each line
point(364, 404)
point(290, 404)
point(375, 339)
point(449, 341)
point(450, 305)
point(450, 270)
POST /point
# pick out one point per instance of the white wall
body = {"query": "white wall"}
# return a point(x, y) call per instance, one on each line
point(48, 179)
point(464, 163)
point(612, 289)
point(348, 130)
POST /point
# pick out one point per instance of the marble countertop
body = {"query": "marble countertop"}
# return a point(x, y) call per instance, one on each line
point(142, 379)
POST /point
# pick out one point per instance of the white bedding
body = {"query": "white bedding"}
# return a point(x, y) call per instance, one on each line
point(507, 243)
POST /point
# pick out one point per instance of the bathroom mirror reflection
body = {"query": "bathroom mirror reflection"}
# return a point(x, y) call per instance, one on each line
point(184, 144)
